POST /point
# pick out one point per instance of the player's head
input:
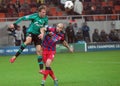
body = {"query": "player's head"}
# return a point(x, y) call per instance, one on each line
point(42, 10)
point(59, 27)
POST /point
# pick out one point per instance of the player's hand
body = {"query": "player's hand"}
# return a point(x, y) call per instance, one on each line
point(11, 26)
point(71, 49)
point(41, 36)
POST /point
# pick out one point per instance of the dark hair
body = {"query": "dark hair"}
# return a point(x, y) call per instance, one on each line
point(42, 7)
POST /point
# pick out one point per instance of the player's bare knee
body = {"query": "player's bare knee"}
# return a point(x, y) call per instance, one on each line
point(27, 42)
point(38, 52)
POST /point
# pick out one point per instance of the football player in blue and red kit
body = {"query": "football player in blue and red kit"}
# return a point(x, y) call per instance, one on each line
point(52, 36)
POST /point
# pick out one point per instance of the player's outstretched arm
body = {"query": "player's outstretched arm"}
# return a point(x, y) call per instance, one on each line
point(67, 46)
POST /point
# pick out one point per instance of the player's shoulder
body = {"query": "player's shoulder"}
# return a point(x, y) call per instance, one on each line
point(34, 15)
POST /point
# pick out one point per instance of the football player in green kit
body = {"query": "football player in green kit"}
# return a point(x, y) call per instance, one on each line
point(38, 21)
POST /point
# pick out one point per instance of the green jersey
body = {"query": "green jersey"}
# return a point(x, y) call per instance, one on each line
point(37, 22)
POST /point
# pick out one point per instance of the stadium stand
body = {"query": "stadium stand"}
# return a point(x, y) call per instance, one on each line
point(22, 1)
point(88, 6)
point(54, 10)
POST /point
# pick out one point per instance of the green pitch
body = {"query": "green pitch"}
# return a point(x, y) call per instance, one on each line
point(76, 69)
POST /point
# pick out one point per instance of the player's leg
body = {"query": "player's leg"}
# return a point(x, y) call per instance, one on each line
point(22, 47)
point(39, 57)
point(51, 72)
point(37, 43)
point(44, 72)
point(48, 70)
point(43, 83)
point(44, 58)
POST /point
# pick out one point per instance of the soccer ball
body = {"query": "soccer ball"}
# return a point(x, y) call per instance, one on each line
point(68, 5)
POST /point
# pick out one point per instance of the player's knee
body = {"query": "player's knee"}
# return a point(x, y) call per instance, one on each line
point(38, 52)
point(28, 41)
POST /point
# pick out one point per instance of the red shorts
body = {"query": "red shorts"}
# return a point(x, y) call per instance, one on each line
point(47, 55)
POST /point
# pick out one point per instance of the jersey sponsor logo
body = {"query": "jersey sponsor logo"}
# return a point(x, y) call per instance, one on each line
point(38, 24)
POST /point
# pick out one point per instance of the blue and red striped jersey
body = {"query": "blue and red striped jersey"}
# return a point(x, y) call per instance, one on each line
point(50, 40)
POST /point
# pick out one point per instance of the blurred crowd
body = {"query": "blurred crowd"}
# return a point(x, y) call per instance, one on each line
point(13, 8)
point(73, 32)
point(76, 34)
point(17, 35)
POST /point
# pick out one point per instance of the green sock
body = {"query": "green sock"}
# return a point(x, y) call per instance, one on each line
point(22, 47)
point(43, 82)
point(40, 62)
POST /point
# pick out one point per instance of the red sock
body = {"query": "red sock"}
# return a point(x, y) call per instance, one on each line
point(51, 73)
point(46, 74)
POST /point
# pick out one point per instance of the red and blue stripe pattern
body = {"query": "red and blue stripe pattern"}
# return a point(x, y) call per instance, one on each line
point(50, 40)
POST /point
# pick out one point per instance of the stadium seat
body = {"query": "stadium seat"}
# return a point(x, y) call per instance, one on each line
point(53, 11)
point(22, 1)
point(110, 3)
point(96, 18)
point(102, 18)
point(2, 16)
point(20, 14)
point(60, 13)
point(104, 4)
point(29, 1)
point(117, 8)
point(113, 11)
point(33, 9)
point(13, 1)
point(113, 17)
point(93, 1)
